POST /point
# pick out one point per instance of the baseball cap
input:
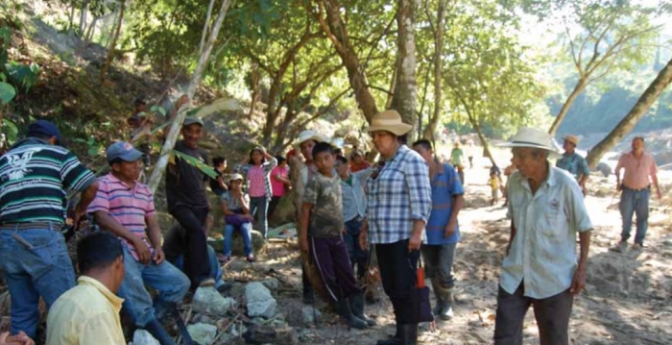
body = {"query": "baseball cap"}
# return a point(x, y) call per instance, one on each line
point(45, 128)
point(190, 120)
point(122, 150)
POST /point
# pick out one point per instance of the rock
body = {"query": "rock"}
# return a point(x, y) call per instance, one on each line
point(237, 290)
point(264, 334)
point(271, 283)
point(259, 301)
point(209, 301)
point(142, 337)
point(202, 333)
point(258, 243)
point(309, 316)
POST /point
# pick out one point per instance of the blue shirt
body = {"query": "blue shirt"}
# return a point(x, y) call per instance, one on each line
point(354, 199)
point(573, 163)
point(445, 186)
point(398, 196)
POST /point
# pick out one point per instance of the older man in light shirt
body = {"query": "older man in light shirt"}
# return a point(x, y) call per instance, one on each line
point(540, 269)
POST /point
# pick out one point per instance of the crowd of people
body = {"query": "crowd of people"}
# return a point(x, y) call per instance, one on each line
point(404, 209)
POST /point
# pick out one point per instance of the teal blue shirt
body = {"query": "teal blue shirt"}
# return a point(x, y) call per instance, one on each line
point(445, 186)
point(574, 164)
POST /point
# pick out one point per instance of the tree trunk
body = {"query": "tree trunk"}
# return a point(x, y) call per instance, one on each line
point(484, 140)
point(580, 86)
point(421, 113)
point(71, 18)
point(82, 17)
point(438, 51)
point(174, 132)
point(405, 91)
point(255, 85)
point(632, 118)
point(206, 25)
point(113, 44)
point(336, 31)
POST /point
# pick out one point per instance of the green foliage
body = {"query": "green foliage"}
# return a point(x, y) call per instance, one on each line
point(93, 146)
point(7, 92)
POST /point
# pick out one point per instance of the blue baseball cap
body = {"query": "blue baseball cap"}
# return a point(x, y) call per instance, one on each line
point(44, 128)
point(124, 151)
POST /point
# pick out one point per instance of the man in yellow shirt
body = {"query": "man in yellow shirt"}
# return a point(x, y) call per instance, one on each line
point(89, 312)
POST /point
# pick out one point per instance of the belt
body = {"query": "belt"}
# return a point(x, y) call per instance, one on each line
point(32, 226)
point(638, 190)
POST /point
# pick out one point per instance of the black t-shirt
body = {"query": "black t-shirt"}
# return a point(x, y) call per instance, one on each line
point(214, 184)
point(184, 182)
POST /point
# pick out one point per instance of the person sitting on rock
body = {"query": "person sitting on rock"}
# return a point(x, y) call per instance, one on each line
point(125, 207)
point(257, 169)
point(89, 312)
point(218, 185)
point(321, 234)
point(236, 209)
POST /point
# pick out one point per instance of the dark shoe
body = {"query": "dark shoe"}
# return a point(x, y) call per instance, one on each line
point(394, 340)
point(224, 289)
point(159, 333)
point(347, 317)
point(409, 334)
point(251, 258)
point(357, 306)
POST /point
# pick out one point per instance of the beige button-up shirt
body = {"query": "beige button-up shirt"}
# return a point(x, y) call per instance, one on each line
point(543, 251)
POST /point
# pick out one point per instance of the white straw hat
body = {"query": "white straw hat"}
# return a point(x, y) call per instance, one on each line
point(390, 121)
point(533, 138)
point(309, 135)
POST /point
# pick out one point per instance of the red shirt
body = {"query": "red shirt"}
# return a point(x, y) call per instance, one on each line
point(354, 167)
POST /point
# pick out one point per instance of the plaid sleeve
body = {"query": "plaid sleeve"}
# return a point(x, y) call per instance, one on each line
point(74, 175)
point(270, 165)
point(102, 200)
point(311, 192)
point(241, 169)
point(419, 188)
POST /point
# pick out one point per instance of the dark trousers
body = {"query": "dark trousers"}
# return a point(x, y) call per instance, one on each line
point(398, 272)
point(358, 256)
point(196, 261)
point(275, 200)
point(331, 258)
point(552, 316)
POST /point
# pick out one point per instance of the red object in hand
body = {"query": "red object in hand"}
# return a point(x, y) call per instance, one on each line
point(421, 278)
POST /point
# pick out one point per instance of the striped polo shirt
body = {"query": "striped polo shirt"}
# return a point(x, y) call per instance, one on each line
point(128, 206)
point(445, 186)
point(34, 177)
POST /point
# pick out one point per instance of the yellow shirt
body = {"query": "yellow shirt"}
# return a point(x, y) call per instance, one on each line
point(84, 315)
point(494, 183)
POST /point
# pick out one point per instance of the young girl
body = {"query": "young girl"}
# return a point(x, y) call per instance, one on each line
point(280, 183)
point(236, 208)
point(257, 170)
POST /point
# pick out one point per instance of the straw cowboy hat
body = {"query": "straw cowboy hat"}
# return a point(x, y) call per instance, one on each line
point(390, 121)
point(572, 139)
point(533, 138)
point(309, 135)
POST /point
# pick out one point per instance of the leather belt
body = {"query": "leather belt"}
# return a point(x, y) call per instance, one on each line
point(32, 226)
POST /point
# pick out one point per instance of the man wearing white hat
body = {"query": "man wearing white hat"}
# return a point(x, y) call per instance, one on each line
point(300, 173)
point(540, 268)
point(573, 162)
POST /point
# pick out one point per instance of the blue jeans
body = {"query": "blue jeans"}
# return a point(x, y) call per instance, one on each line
point(215, 270)
point(169, 281)
point(259, 205)
point(45, 270)
point(636, 202)
point(245, 231)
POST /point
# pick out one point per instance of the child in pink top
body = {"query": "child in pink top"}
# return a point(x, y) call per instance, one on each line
point(279, 182)
point(257, 168)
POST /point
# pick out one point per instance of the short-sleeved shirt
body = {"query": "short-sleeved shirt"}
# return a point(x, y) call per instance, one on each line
point(637, 170)
point(34, 177)
point(456, 156)
point(184, 182)
point(233, 204)
point(399, 195)
point(277, 186)
point(494, 183)
point(326, 216)
point(258, 177)
point(574, 164)
point(128, 206)
point(445, 186)
point(543, 250)
point(86, 314)
point(354, 198)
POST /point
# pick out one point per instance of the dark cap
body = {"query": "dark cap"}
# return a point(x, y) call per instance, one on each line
point(44, 128)
point(124, 151)
point(140, 100)
point(190, 120)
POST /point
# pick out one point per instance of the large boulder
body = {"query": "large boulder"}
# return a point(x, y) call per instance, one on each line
point(210, 302)
point(260, 302)
point(202, 333)
point(142, 337)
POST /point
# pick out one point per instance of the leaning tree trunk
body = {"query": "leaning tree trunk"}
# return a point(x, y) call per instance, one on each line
point(438, 51)
point(405, 91)
point(636, 113)
point(484, 140)
point(580, 86)
point(174, 132)
point(113, 44)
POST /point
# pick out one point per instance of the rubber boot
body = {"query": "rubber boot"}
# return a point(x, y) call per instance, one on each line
point(159, 333)
point(346, 315)
point(436, 285)
point(357, 307)
point(410, 334)
point(446, 312)
point(395, 340)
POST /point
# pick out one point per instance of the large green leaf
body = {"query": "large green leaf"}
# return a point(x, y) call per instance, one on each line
point(7, 93)
point(206, 169)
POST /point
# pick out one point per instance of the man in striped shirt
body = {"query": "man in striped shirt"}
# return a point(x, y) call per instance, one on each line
point(125, 207)
point(34, 176)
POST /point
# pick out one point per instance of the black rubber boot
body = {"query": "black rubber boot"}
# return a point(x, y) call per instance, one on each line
point(346, 315)
point(357, 306)
point(436, 286)
point(395, 340)
point(409, 334)
point(159, 333)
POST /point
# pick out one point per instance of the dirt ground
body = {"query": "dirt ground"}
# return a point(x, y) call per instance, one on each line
point(627, 299)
